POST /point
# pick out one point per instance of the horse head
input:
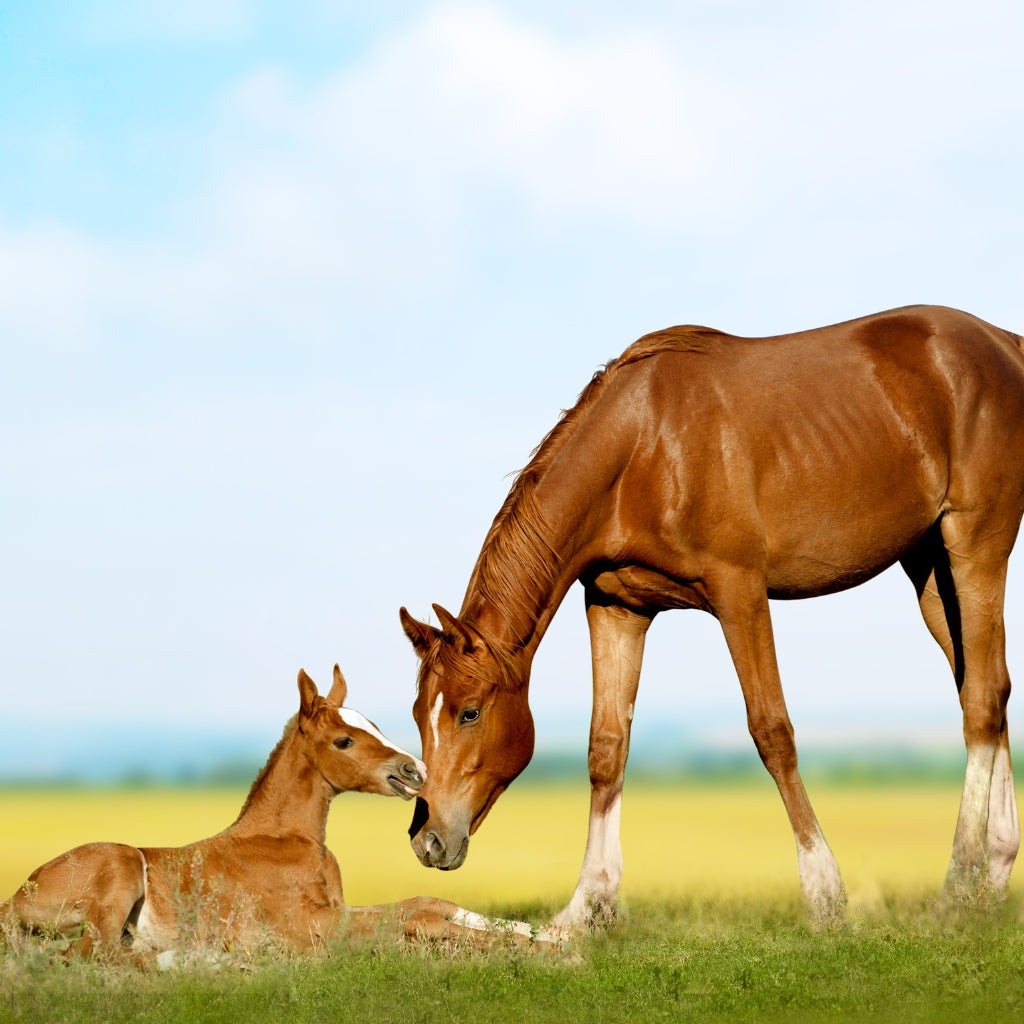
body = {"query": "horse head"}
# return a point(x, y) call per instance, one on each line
point(348, 750)
point(476, 732)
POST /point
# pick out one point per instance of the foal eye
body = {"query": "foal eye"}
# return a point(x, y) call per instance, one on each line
point(468, 715)
point(344, 743)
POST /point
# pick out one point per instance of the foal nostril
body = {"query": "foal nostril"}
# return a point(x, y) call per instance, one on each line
point(411, 772)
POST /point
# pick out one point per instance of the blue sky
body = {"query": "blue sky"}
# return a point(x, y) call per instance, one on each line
point(284, 300)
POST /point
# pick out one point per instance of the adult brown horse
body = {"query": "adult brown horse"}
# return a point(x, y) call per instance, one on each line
point(267, 876)
point(701, 470)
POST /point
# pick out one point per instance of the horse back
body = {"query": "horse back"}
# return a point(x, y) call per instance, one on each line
point(823, 455)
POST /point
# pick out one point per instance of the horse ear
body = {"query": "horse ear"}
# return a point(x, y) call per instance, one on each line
point(308, 693)
point(453, 629)
point(419, 633)
point(339, 690)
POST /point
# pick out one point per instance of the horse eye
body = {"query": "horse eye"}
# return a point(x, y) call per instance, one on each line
point(344, 742)
point(468, 715)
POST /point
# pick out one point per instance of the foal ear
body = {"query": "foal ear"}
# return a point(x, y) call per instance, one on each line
point(419, 633)
point(339, 689)
point(308, 694)
point(452, 629)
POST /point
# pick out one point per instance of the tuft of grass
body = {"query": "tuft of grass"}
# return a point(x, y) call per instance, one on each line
point(696, 960)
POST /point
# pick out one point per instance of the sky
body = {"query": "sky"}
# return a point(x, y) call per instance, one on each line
point(287, 292)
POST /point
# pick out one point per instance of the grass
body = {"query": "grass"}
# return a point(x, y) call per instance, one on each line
point(712, 928)
point(696, 960)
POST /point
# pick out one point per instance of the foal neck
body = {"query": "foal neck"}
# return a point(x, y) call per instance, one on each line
point(290, 795)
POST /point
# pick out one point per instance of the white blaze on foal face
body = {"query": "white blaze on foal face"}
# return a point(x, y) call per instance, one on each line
point(355, 720)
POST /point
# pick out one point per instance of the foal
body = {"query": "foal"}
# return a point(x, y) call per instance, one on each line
point(268, 874)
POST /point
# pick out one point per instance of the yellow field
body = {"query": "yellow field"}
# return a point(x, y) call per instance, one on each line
point(678, 840)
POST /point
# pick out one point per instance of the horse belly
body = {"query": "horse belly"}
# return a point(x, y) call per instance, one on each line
point(823, 540)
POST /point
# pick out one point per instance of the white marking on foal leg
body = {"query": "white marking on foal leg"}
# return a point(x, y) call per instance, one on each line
point(602, 869)
point(435, 716)
point(820, 879)
point(477, 922)
point(1003, 822)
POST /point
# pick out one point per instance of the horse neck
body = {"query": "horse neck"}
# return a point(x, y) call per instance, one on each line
point(290, 796)
point(531, 557)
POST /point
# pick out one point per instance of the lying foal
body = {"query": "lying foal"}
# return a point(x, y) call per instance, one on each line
point(268, 872)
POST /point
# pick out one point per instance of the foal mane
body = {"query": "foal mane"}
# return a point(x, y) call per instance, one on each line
point(517, 544)
point(289, 730)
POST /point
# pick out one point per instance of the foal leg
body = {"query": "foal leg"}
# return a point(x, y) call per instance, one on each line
point(617, 648)
point(93, 889)
point(741, 603)
point(425, 917)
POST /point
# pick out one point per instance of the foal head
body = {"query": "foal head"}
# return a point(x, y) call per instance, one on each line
point(476, 731)
point(348, 750)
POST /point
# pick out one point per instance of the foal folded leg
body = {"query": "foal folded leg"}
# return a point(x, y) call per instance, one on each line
point(94, 889)
point(741, 603)
point(617, 646)
point(426, 917)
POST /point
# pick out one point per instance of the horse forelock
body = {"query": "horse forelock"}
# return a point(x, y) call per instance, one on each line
point(452, 665)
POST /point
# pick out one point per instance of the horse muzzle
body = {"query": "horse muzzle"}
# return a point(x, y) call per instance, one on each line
point(436, 847)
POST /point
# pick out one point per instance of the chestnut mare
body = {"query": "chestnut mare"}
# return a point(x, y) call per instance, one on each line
point(701, 470)
point(267, 875)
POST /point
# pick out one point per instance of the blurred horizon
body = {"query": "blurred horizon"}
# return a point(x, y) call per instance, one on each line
point(113, 756)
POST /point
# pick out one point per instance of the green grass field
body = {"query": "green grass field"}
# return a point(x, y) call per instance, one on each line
point(711, 927)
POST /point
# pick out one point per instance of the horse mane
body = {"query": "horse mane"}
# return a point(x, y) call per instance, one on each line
point(688, 338)
point(289, 729)
point(517, 543)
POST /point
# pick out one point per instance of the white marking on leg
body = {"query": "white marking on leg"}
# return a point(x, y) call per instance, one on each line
point(1003, 821)
point(602, 868)
point(435, 716)
point(819, 872)
point(477, 922)
point(972, 823)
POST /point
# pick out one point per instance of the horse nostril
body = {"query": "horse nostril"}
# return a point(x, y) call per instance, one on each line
point(433, 846)
point(410, 771)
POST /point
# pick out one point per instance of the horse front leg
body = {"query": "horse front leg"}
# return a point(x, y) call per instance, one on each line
point(617, 647)
point(741, 603)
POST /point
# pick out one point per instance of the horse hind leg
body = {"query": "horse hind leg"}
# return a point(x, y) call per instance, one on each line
point(987, 831)
point(929, 569)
